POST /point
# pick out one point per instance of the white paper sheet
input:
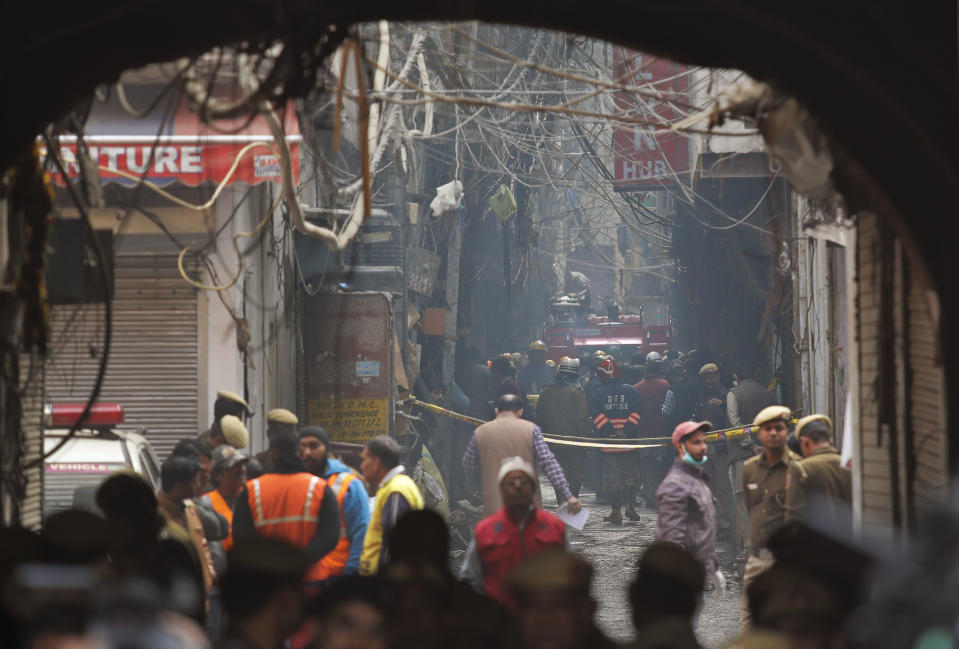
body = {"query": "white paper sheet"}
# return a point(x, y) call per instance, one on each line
point(576, 521)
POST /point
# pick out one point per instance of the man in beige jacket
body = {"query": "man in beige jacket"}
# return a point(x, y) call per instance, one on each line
point(509, 435)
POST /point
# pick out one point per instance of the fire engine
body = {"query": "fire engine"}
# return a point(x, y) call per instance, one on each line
point(573, 331)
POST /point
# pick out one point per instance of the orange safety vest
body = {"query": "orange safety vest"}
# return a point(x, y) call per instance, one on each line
point(336, 560)
point(287, 507)
point(223, 509)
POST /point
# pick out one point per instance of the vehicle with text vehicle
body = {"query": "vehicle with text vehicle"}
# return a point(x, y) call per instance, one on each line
point(77, 466)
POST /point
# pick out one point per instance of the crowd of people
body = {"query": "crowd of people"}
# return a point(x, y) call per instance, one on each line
point(289, 549)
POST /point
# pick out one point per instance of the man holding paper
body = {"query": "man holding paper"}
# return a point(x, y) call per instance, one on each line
point(515, 533)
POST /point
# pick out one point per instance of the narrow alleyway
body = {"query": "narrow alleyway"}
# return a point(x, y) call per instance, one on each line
point(614, 551)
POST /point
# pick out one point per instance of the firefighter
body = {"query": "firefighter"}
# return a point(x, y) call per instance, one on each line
point(590, 382)
point(654, 463)
point(290, 504)
point(562, 410)
point(536, 373)
point(615, 407)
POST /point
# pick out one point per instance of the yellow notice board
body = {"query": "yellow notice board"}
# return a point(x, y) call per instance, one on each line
point(351, 420)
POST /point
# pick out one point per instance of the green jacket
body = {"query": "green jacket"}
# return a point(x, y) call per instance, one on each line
point(561, 410)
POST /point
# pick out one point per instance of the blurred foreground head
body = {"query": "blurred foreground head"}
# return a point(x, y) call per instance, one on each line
point(421, 537)
point(263, 587)
point(352, 614)
point(128, 503)
point(808, 594)
point(668, 584)
point(554, 609)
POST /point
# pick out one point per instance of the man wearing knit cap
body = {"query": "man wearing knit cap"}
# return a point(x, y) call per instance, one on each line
point(277, 420)
point(227, 403)
point(513, 534)
point(351, 497)
point(767, 481)
point(827, 491)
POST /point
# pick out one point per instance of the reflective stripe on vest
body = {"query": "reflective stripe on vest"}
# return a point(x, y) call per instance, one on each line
point(336, 560)
point(286, 506)
point(340, 485)
point(304, 518)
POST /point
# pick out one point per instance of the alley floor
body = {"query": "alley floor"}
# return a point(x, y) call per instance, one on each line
point(614, 551)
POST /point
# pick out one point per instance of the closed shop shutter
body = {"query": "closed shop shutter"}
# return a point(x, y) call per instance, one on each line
point(152, 367)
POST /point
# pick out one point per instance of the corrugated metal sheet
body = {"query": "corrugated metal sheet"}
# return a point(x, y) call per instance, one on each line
point(152, 367)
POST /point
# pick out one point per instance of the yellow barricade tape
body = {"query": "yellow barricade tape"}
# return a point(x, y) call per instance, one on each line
point(594, 442)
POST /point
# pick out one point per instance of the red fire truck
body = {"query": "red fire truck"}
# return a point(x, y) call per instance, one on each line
point(571, 332)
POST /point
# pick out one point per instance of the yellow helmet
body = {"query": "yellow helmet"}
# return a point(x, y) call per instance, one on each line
point(551, 363)
point(563, 358)
point(600, 354)
point(537, 345)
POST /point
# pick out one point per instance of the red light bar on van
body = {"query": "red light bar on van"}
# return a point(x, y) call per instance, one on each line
point(65, 415)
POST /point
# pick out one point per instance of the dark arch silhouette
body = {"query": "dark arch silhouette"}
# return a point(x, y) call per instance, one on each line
point(879, 75)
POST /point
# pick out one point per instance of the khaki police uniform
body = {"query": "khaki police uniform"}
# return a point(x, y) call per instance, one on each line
point(827, 488)
point(770, 503)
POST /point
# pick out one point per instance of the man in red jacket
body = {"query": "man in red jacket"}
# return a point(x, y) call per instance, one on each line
point(516, 532)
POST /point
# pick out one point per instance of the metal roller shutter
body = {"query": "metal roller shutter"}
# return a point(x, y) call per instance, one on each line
point(152, 368)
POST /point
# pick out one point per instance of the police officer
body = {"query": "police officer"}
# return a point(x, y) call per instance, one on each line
point(227, 403)
point(767, 480)
point(278, 420)
point(290, 504)
point(615, 407)
point(827, 490)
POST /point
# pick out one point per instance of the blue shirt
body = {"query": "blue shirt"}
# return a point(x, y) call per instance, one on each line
point(356, 514)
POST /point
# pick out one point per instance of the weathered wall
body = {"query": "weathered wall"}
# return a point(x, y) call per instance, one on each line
point(902, 447)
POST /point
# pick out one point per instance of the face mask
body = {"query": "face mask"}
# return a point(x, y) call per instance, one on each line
point(691, 461)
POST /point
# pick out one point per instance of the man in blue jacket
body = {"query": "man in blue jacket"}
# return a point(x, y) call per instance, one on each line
point(351, 496)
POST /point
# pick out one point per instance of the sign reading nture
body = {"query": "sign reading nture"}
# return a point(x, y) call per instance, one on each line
point(647, 157)
point(188, 163)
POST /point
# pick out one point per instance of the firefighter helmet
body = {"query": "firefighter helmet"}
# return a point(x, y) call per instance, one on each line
point(551, 363)
point(537, 345)
point(654, 357)
point(607, 368)
point(599, 354)
point(569, 365)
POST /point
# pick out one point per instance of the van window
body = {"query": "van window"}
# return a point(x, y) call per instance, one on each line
point(149, 465)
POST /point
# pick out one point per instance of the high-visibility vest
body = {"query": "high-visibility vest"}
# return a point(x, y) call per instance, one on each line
point(223, 509)
point(336, 560)
point(373, 543)
point(287, 507)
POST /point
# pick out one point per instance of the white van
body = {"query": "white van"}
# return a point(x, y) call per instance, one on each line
point(74, 472)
